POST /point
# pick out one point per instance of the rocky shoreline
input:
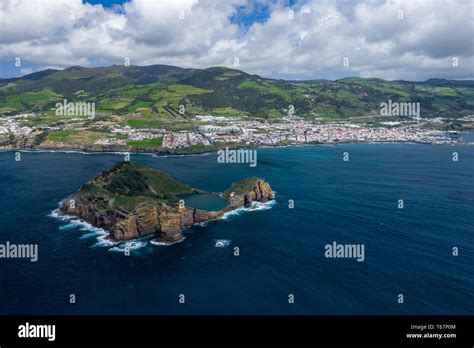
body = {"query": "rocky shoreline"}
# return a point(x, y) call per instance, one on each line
point(168, 152)
point(165, 220)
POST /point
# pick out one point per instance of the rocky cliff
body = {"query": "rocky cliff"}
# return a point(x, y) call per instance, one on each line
point(131, 201)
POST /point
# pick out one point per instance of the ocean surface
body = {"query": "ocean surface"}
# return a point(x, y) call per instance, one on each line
point(408, 251)
point(209, 202)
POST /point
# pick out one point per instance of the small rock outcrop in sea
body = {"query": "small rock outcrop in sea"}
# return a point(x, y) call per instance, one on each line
point(132, 201)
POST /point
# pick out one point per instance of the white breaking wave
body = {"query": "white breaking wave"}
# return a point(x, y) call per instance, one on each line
point(133, 245)
point(256, 206)
point(222, 243)
point(103, 240)
point(55, 214)
point(74, 221)
point(167, 243)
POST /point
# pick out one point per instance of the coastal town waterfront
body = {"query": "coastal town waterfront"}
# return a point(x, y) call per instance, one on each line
point(209, 132)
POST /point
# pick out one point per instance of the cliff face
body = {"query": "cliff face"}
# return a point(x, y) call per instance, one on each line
point(165, 220)
point(262, 192)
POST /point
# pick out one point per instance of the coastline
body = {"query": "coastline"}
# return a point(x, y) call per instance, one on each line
point(169, 233)
point(161, 153)
point(110, 203)
point(103, 238)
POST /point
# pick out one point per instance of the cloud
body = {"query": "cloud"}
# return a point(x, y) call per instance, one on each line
point(26, 71)
point(388, 39)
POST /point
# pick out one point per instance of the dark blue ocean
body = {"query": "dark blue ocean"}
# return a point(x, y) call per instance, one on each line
point(407, 251)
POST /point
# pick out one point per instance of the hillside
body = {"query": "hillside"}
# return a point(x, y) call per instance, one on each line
point(242, 186)
point(156, 93)
point(128, 184)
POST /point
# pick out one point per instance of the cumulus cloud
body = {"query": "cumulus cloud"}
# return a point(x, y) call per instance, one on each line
point(391, 39)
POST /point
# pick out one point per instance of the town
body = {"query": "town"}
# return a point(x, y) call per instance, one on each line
point(211, 130)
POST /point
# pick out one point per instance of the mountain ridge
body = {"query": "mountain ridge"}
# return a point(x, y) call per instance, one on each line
point(160, 90)
point(313, 80)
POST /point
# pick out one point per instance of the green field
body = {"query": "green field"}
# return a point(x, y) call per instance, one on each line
point(140, 123)
point(76, 137)
point(31, 99)
point(173, 94)
point(61, 135)
point(200, 148)
point(147, 143)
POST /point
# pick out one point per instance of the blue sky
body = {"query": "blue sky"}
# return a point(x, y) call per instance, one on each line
point(245, 16)
point(289, 39)
point(107, 3)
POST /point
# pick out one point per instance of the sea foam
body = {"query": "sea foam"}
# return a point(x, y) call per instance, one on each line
point(92, 231)
point(221, 243)
point(133, 245)
point(167, 243)
point(256, 206)
point(103, 240)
